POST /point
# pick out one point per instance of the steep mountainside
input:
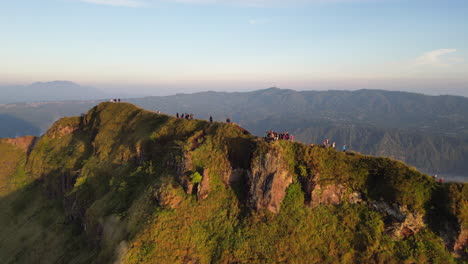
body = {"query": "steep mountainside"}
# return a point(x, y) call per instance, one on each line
point(124, 185)
point(428, 132)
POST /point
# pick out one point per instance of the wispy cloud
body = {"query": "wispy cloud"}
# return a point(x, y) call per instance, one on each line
point(265, 2)
point(434, 58)
point(257, 3)
point(127, 3)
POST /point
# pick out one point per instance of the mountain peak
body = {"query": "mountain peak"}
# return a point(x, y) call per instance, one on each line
point(58, 83)
point(59, 90)
point(273, 90)
point(127, 184)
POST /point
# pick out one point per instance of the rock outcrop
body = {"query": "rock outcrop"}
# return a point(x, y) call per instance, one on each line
point(59, 130)
point(461, 242)
point(204, 186)
point(183, 171)
point(24, 143)
point(268, 180)
point(168, 197)
point(401, 222)
point(333, 194)
point(330, 194)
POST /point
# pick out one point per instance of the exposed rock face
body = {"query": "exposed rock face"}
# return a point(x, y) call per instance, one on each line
point(168, 197)
point(204, 186)
point(355, 197)
point(391, 211)
point(410, 226)
point(24, 143)
point(268, 181)
point(461, 242)
point(317, 194)
point(183, 170)
point(330, 194)
point(60, 131)
point(403, 223)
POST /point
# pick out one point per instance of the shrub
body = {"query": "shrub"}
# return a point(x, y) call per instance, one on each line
point(196, 177)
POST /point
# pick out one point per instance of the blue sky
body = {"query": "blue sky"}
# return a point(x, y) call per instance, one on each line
point(191, 45)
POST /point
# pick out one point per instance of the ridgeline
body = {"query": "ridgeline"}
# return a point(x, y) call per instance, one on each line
point(124, 185)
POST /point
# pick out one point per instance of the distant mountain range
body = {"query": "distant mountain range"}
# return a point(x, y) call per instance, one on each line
point(49, 91)
point(428, 132)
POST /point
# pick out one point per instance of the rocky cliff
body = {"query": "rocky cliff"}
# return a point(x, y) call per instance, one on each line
point(124, 185)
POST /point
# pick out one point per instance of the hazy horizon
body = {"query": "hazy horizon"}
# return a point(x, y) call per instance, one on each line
point(165, 90)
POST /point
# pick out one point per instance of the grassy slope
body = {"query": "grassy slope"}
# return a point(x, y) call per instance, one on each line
point(33, 228)
point(95, 184)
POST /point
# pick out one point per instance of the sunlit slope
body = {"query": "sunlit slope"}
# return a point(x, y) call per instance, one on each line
point(128, 185)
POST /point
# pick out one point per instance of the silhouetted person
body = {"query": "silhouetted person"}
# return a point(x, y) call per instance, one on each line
point(228, 120)
point(211, 119)
point(177, 115)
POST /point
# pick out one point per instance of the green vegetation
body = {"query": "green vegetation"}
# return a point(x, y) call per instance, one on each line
point(117, 184)
point(12, 174)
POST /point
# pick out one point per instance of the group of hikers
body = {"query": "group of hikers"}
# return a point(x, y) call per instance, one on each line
point(115, 100)
point(326, 144)
point(273, 135)
point(440, 180)
point(185, 116)
point(190, 117)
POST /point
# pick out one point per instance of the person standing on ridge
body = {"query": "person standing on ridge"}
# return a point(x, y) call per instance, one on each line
point(177, 115)
point(344, 148)
point(228, 120)
point(211, 119)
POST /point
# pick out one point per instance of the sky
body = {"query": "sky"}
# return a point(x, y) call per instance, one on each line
point(168, 46)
